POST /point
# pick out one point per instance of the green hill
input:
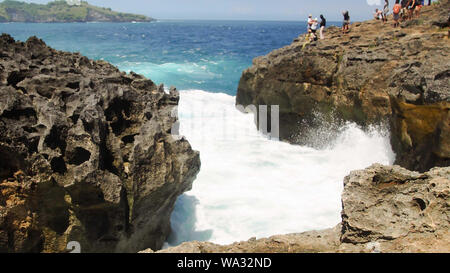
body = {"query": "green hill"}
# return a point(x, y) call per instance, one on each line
point(60, 11)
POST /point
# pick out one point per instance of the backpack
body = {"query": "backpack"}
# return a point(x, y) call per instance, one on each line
point(397, 8)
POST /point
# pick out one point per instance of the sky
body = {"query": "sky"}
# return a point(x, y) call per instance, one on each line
point(295, 10)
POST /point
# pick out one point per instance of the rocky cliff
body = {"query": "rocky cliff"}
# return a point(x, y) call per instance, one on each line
point(62, 12)
point(384, 209)
point(86, 154)
point(374, 74)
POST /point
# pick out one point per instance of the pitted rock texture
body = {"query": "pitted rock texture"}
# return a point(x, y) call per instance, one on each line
point(374, 74)
point(86, 153)
point(396, 210)
point(384, 209)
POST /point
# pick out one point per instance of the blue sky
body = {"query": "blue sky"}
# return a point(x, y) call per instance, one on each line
point(242, 9)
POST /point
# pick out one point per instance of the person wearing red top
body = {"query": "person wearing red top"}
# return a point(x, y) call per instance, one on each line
point(396, 11)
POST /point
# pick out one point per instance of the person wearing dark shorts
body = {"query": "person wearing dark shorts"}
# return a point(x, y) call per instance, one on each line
point(420, 4)
point(411, 6)
point(346, 22)
point(314, 26)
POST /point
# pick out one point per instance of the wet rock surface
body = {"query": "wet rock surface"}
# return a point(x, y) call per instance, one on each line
point(86, 153)
point(384, 209)
point(375, 74)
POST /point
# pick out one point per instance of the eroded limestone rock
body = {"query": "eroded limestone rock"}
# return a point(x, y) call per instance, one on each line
point(86, 153)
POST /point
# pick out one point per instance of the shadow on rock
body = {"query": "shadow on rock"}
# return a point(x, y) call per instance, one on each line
point(183, 222)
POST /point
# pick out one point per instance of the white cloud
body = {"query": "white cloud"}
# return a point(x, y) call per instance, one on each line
point(374, 2)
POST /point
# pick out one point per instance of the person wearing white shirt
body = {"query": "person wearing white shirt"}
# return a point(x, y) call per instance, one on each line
point(314, 26)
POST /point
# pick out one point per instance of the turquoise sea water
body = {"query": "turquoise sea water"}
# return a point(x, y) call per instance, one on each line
point(205, 55)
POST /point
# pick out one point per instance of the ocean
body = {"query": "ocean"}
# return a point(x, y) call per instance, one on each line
point(203, 55)
point(248, 186)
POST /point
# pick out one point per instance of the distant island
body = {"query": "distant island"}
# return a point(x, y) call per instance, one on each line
point(63, 12)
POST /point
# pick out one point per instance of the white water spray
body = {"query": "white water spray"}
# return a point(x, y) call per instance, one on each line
point(250, 186)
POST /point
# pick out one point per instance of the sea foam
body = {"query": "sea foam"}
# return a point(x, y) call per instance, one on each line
point(250, 186)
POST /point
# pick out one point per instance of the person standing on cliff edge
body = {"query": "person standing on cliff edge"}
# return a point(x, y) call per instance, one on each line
point(385, 10)
point(419, 6)
point(412, 4)
point(346, 23)
point(404, 11)
point(323, 24)
point(314, 26)
point(310, 22)
point(396, 11)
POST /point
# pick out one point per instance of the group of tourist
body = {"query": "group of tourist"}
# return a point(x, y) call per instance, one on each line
point(382, 14)
point(313, 25)
point(402, 10)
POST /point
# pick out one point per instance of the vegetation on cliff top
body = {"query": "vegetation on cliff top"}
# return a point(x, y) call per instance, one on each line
point(61, 11)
